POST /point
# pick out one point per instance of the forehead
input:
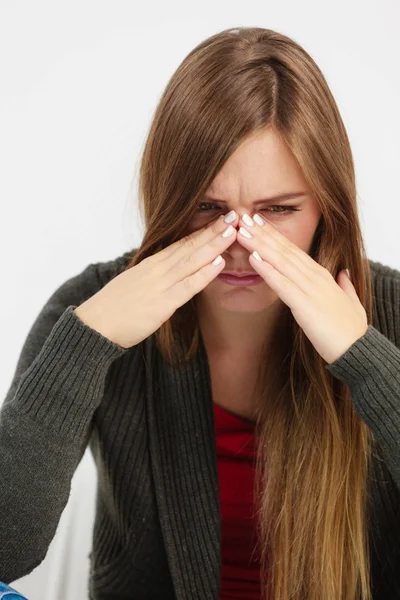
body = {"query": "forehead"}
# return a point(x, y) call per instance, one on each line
point(262, 166)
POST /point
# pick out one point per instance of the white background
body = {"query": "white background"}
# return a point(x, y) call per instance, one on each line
point(79, 82)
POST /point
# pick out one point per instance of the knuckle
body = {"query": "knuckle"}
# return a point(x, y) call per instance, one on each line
point(215, 226)
point(187, 284)
point(286, 252)
point(189, 241)
point(187, 259)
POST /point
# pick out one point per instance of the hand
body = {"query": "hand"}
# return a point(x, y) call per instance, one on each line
point(138, 301)
point(329, 312)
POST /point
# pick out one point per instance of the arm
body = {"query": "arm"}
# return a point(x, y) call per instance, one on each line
point(45, 423)
point(371, 369)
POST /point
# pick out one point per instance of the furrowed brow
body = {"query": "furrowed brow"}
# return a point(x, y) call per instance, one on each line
point(270, 200)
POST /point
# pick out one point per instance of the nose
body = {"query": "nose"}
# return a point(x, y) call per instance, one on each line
point(240, 216)
point(238, 255)
point(237, 251)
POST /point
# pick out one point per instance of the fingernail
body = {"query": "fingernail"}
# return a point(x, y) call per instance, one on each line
point(228, 231)
point(217, 260)
point(245, 233)
point(247, 220)
point(230, 217)
point(258, 220)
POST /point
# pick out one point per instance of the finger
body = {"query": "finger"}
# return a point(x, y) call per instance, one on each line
point(191, 256)
point(272, 236)
point(197, 238)
point(186, 288)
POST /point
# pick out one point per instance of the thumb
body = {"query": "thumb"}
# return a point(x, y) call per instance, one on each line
point(344, 282)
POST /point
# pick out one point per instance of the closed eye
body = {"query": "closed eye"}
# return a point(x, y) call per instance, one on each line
point(285, 209)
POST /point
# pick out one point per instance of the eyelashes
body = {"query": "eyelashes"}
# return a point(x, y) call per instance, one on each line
point(285, 209)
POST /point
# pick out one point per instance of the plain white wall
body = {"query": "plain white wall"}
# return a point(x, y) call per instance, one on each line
point(79, 82)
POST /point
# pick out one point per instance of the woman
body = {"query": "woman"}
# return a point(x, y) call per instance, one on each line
point(246, 432)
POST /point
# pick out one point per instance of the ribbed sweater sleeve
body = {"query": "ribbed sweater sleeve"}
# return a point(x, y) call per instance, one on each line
point(45, 423)
point(371, 369)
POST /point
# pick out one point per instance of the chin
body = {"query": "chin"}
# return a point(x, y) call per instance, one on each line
point(244, 306)
point(243, 299)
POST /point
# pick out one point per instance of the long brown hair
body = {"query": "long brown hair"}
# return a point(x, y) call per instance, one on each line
point(313, 452)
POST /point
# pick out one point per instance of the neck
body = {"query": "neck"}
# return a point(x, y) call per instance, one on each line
point(234, 333)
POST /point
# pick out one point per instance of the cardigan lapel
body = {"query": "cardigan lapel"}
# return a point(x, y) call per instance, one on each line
point(184, 464)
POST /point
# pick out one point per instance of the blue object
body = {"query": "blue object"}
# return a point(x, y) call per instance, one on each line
point(8, 593)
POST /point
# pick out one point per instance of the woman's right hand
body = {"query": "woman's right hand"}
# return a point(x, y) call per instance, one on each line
point(138, 301)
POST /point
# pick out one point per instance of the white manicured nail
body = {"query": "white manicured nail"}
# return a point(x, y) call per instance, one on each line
point(230, 217)
point(258, 220)
point(245, 233)
point(228, 231)
point(247, 220)
point(256, 255)
point(217, 260)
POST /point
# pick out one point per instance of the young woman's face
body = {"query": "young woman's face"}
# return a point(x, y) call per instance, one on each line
point(260, 168)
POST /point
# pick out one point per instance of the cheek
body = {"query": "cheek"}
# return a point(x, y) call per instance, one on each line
point(299, 233)
point(191, 227)
point(303, 236)
point(198, 222)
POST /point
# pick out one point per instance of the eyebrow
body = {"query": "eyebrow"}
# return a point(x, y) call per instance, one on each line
point(278, 198)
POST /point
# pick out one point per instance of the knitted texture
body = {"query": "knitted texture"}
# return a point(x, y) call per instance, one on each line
point(151, 431)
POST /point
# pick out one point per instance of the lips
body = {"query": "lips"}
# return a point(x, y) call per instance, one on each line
point(240, 273)
point(243, 280)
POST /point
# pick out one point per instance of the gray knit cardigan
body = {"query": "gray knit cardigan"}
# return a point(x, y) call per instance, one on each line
point(151, 431)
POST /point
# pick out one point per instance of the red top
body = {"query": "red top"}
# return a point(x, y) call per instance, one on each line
point(240, 577)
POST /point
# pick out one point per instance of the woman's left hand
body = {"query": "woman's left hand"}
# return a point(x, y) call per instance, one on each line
point(329, 312)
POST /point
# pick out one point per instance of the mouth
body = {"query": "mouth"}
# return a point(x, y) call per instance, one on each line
point(240, 280)
point(240, 273)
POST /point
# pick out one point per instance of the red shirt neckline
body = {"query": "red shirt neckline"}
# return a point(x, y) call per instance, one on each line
point(232, 417)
